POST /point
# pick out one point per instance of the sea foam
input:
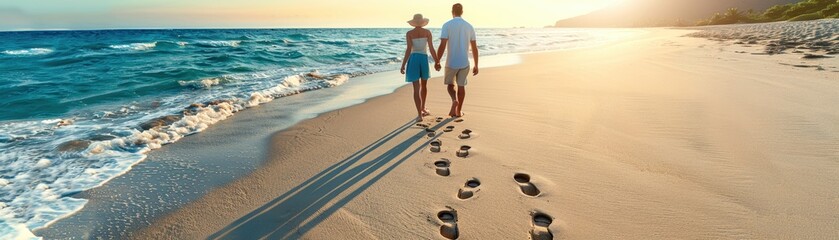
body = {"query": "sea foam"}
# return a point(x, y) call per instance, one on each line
point(38, 183)
point(135, 46)
point(29, 52)
point(206, 83)
point(218, 43)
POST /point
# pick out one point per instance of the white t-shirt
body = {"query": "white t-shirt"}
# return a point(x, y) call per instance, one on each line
point(459, 33)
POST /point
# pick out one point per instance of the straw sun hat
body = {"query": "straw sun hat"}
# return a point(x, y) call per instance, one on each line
point(418, 21)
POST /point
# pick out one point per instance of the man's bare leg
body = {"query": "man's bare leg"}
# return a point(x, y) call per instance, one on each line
point(453, 112)
point(461, 96)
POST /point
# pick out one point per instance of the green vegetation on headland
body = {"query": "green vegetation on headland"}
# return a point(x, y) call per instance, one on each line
point(802, 11)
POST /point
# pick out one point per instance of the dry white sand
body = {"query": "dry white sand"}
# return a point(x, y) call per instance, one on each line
point(660, 136)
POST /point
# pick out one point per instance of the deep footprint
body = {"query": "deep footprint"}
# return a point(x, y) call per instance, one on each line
point(465, 134)
point(468, 190)
point(435, 145)
point(540, 229)
point(525, 185)
point(442, 167)
point(439, 119)
point(430, 132)
point(449, 227)
point(464, 151)
point(448, 129)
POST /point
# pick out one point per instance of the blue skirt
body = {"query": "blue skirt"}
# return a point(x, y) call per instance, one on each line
point(417, 67)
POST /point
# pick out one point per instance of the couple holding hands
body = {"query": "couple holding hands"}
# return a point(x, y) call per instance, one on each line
point(458, 36)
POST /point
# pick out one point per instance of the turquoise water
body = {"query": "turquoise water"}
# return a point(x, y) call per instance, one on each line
point(59, 74)
point(81, 107)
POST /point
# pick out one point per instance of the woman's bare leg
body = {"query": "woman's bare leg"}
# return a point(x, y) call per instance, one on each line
point(424, 95)
point(417, 100)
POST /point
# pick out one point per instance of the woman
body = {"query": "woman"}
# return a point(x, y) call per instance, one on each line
point(416, 57)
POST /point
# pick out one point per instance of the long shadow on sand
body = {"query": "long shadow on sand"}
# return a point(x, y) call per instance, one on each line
point(297, 211)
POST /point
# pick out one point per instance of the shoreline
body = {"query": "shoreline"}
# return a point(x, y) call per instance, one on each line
point(107, 201)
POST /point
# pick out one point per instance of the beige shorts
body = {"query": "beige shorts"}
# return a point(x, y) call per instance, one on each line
point(460, 74)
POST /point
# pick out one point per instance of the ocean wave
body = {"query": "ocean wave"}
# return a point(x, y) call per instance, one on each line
point(336, 42)
point(46, 162)
point(296, 84)
point(245, 37)
point(241, 69)
point(28, 52)
point(219, 43)
point(170, 44)
point(300, 36)
point(206, 83)
point(135, 46)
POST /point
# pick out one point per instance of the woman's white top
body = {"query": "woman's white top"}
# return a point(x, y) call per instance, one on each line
point(420, 45)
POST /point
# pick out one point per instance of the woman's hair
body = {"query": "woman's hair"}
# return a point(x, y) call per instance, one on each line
point(457, 9)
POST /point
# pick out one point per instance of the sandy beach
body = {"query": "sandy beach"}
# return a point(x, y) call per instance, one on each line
point(659, 136)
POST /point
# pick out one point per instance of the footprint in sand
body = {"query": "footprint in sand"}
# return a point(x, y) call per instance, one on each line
point(458, 120)
point(439, 119)
point(540, 229)
point(448, 129)
point(469, 189)
point(525, 185)
point(422, 125)
point(442, 167)
point(464, 151)
point(436, 145)
point(431, 132)
point(449, 227)
point(465, 134)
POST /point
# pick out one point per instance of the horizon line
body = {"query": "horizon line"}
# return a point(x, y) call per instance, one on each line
point(231, 28)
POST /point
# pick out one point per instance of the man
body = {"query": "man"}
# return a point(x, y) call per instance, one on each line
point(458, 35)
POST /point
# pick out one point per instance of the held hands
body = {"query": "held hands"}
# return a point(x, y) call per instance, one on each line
point(437, 66)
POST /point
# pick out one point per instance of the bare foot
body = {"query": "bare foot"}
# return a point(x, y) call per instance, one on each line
point(419, 118)
point(453, 111)
point(425, 112)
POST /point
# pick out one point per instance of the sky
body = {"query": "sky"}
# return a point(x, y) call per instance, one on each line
point(108, 14)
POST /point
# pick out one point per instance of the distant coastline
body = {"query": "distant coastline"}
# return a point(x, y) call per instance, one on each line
point(684, 13)
point(802, 11)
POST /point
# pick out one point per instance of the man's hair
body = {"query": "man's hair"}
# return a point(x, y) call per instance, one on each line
point(457, 9)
